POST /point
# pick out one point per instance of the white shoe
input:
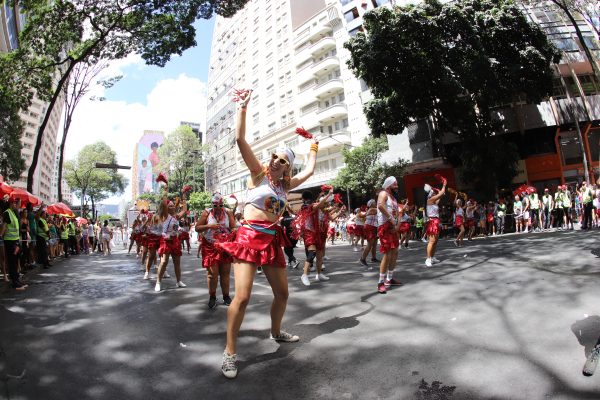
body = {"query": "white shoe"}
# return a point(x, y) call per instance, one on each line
point(157, 287)
point(305, 280)
point(146, 277)
point(355, 248)
point(435, 260)
point(228, 365)
point(424, 240)
point(181, 284)
point(323, 266)
point(166, 275)
point(321, 277)
point(428, 263)
point(325, 258)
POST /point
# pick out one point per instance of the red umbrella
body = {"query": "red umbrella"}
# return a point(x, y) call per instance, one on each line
point(59, 208)
point(5, 189)
point(81, 221)
point(25, 197)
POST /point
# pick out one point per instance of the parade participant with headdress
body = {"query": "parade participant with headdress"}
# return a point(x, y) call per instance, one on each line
point(459, 219)
point(260, 238)
point(153, 235)
point(433, 220)
point(169, 240)
point(216, 224)
point(184, 234)
point(370, 233)
point(387, 219)
point(143, 237)
point(287, 224)
point(404, 223)
point(313, 222)
point(135, 235)
point(351, 228)
point(359, 229)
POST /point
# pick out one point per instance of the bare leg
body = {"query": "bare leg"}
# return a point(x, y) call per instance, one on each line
point(244, 278)
point(164, 260)
point(177, 265)
point(277, 278)
point(151, 259)
point(225, 276)
point(212, 277)
point(320, 255)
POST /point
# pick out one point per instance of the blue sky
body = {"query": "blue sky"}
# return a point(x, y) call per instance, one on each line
point(138, 82)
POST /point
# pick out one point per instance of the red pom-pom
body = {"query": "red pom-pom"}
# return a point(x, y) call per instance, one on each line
point(162, 178)
point(304, 133)
point(338, 198)
point(326, 188)
point(440, 178)
point(187, 189)
point(239, 93)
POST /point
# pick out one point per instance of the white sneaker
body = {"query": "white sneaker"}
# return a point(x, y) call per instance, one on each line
point(146, 277)
point(424, 240)
point(305, 280)
point(325, 258)
point(355, 248)
point(166, 275)
point(181, 284)
point(323, 266)
point(321, 277)
point(435, 260)
point(285, 337)
point(228, 366)
point(157, 287)
point(428, 263)
point(592, 361)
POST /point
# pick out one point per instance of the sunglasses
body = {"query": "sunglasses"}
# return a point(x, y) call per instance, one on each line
point(282, 161)
point(217, 205)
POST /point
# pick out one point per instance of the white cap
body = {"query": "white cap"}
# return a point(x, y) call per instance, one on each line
point(389, 181)
point(288, 152)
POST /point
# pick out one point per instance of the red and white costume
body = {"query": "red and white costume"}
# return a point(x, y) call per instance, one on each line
point(386, 232)
point(169, 241)
point(459, 218)
point(370, 230)
point(433, 224)
point(211, 254)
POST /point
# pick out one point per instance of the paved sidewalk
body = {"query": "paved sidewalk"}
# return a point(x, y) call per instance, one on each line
point(502, 318)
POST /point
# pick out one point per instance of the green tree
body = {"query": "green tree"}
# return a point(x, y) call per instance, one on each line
point(363, 172)
point(453, 63)
point(198, 201)
point(63, 33)
point(180, 154)
point(11, 130)
point(87, 181)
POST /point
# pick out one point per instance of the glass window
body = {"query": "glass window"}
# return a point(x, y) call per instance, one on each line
point(351, 15)
point(272, 126)
point(255, 118)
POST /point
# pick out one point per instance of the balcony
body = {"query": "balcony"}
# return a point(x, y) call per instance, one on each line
point(309, 51)
point(335, 139)
point(317, 68)
point(332, 112)
point(328, 87)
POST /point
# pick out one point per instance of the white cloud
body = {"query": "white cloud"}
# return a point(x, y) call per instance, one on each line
point(121, 124)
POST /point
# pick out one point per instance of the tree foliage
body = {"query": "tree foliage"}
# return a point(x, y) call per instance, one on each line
point(11, 130)
point(88, 181)
point(363, 172)
point(60, 34)
point(452, 62)
point(198, 201)
point(180, 154)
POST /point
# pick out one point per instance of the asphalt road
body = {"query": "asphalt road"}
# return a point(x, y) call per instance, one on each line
point(502, 318)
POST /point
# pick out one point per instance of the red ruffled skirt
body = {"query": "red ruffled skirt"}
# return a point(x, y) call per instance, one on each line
point(350, 229)
point(370, 232)
point(311, 238)
point(184, 235)
point(404, 227)
point(170, 246)
point(359, 230)
point(458, 221)
point(433, 227)
point(388, 237)
point(143, 240)
point(258, 247)
point(136, 237)
point(212, 255)
point(153, 242)
point(331, 230)
point(470, 222)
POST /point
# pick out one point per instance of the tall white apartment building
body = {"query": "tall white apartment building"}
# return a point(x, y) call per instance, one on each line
point(290, 52)
point(11, 22)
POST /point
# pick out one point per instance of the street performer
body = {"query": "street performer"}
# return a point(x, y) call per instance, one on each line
point(433, 220)
point(387, 232)
point(260, 238)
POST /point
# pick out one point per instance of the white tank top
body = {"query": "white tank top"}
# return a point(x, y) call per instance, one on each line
point(391, 206)
point(433, 211)
point(360, 221)
point(459, 212)
point(405, 218)
point(371, 220)
point(224, 222)
point(267, 197)
point(309, 221)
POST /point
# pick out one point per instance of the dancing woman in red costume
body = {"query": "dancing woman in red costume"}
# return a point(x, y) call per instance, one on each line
point(260, 238)
point(169, 241)
point(433, 223)
point(153, 235)
point(370, 233)
point(215, 225)
point(389, 242)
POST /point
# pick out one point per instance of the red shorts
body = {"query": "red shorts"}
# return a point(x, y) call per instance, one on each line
point(184, 236)
point(212, 255)
point(170, 246)
point(404, 227)
point(153, 242)
point(311, 238)
point(143, 240)
point(350, 229)
point(261, 247)
point(490, 218)
point(598, 212)
point(433, 227)
point(470, 222)
point(331, 231)
point(359, 230)
point(458, 221)
point(370, 232)
point(388, 237)
point(136, 237)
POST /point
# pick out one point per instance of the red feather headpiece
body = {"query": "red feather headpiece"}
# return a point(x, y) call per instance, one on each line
point(237, 94)
point(338, 198)
point(440, 178)
point(326, 188)
point(187, 189)
point(162, 178)
point(304, 133)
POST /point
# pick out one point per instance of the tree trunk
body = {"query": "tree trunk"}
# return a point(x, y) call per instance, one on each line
point(62, 155)
point(40, 135)
point(93, 208)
